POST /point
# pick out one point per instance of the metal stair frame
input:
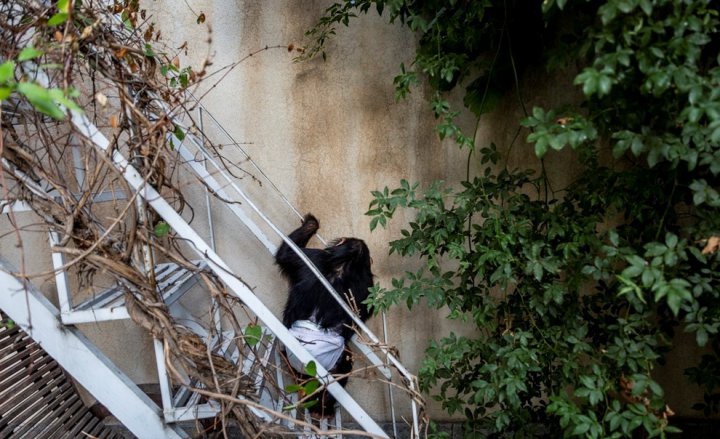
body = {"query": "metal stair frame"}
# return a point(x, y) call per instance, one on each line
point(216, 187)
point(199, 164)
point(238, 288)
point(110, 304)
point(75, 353)
point(216, 264)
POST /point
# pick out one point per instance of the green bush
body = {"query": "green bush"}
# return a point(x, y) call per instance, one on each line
point(575, 295)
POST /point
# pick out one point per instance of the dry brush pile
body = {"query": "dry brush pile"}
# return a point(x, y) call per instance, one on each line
point(104, 60)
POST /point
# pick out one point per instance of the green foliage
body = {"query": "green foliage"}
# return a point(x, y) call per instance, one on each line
point(162, 229)
point(305, 389)
point(179, 133)
point(7, 323)
point(549, 130)
point(176, 76)
point(29, 53)
point(253, 333)
point(575, 297)
point(51, 101)
point(64, 8)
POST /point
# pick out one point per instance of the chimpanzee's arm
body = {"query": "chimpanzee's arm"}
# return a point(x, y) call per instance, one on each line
point(289, 262)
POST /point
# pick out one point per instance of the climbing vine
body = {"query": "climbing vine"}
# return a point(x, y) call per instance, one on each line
point(576, 295)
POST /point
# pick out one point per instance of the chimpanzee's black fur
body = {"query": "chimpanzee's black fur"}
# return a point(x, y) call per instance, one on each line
point(346, 264)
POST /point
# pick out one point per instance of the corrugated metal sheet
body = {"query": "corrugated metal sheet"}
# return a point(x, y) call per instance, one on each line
point(37, 399)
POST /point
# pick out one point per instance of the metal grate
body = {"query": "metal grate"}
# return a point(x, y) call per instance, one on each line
point(37, 400)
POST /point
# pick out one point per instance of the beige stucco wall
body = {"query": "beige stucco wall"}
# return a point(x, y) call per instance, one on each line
point(326, 133)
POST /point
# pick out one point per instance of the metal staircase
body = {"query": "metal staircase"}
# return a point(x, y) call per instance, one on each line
point(55, 329)
point(31, 311)
point(37, 398)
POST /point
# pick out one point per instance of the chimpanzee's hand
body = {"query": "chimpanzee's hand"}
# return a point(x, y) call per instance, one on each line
point(310, 223)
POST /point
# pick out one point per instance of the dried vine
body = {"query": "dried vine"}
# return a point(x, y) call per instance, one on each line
point(102, 59)
point(108, 61)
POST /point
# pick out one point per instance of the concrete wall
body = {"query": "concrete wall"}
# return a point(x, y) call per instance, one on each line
point(325, 132)
point(329, 132)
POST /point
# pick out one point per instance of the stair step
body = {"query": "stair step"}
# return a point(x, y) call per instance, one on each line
point(189, 405)
point(172, 279)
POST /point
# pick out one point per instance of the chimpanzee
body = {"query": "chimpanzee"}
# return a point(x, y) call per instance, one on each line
point(311, 313)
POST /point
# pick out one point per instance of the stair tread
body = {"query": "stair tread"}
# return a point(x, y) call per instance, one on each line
point(172, 279)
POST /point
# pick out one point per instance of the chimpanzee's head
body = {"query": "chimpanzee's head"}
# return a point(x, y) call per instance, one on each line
point(350, 254)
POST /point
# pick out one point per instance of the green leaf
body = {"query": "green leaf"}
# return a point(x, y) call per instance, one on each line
point(292, 388)
point(581, 429)
point(677, 292)
point(541, 147)
point(29, 53)
point(5, 93)
point(309, 404)
point(604, 85)
point(311, 387)
point(161, 229)
point(701, 337)
point(646, 6)
point(7, 69)
point(58, 96)
point(179, 133)
point(57, 19)
point(374, 223)
point(253, 334)
point(184, 79)
point(626, 6)
point(311, 368)
point(64, 6)
point(40, 98)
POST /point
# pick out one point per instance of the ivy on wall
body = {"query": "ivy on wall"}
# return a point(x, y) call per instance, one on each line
point(576, 295)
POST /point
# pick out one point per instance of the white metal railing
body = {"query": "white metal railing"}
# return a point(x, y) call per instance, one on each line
point(200, 163)
point(80, 358)
point(205, 251)
point(221, 269)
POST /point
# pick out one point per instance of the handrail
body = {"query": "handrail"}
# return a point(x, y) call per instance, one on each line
point(91, 132)
point(410, 379)
point(219, 267)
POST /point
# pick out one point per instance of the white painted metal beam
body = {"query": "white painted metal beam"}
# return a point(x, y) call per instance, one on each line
point(235, 285)
point(197, 164)
point(29, 309)
point(213, 184)
point(15, 206)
